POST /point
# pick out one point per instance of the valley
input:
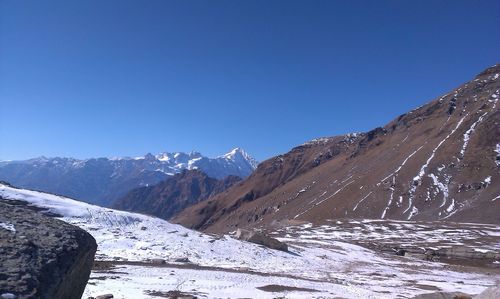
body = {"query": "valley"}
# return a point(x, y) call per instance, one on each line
point(142, 256)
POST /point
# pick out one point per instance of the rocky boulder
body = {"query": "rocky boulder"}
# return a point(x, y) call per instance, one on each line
point(40, 256)
point(443, 295)
point(489, 293)
point(261, 239)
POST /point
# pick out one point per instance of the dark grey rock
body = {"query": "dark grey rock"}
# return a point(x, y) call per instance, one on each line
point(182, 260)
point(158, 261)
point(42, 257)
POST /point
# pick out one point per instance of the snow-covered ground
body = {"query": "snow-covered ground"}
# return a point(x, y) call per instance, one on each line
point(220, 266)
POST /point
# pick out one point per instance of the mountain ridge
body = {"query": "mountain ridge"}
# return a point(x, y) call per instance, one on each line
point(103, 180)
point(418, 166)
point(169, 197)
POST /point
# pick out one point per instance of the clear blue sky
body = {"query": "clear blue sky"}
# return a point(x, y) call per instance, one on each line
point(123, 78)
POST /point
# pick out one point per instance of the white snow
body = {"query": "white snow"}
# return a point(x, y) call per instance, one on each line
point(450, 210)
point(442, 98)
point(316, 141)
point(418, 178)
point(414, 211)
point(323, 200)
point(321, 260)
point(482, 250)
point(8, 226)
point(451, 207)
point(391, 197)
point(395, 172)
point(442, 187)
point(422, 169)
point(239, 156)
point(362, 199)
point(215, 284)
point(497, 158)
point(469, 132)
point(124, 236)
point(120, 236)
point(192, 163)
point(407, 235)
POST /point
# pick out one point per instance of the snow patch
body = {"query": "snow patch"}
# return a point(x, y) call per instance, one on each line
point(422, 169)
point(8, 226)
point(497, 151)
point(322, 201)
point(362, 199)
point(451, 207)
point(317, 141)
point(395, 172)
point(442, 187)
point(414, 211)
point(418, 178)
point(487, 180)
point(469, 132)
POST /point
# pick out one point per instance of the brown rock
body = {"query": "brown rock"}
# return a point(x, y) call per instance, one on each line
point(443, 295)
point(261, 239)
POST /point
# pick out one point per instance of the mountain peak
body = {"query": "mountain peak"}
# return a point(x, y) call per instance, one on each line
point(239, 154)
point(235, 151)
point(102, 180)
point(492, 70)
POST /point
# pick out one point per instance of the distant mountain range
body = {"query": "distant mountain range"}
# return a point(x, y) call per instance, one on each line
point(103, 180)
point(440, 161)
point(173, 195)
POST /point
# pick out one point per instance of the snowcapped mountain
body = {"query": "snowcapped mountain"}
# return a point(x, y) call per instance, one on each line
point(103, 180)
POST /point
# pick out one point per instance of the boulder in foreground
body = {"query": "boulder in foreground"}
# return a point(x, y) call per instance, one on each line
point(40, 256)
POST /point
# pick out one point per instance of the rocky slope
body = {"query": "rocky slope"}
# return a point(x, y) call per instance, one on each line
point(42, 257)
point(437, 162)
point(173, 195)
point(102, 180)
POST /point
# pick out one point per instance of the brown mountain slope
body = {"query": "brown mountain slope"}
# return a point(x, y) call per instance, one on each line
point(173, 195)
point(437, 162)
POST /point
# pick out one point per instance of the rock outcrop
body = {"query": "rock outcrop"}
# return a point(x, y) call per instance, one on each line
point(489, 293)
point(261, 239)
point(40, 256)
point(443, 295)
